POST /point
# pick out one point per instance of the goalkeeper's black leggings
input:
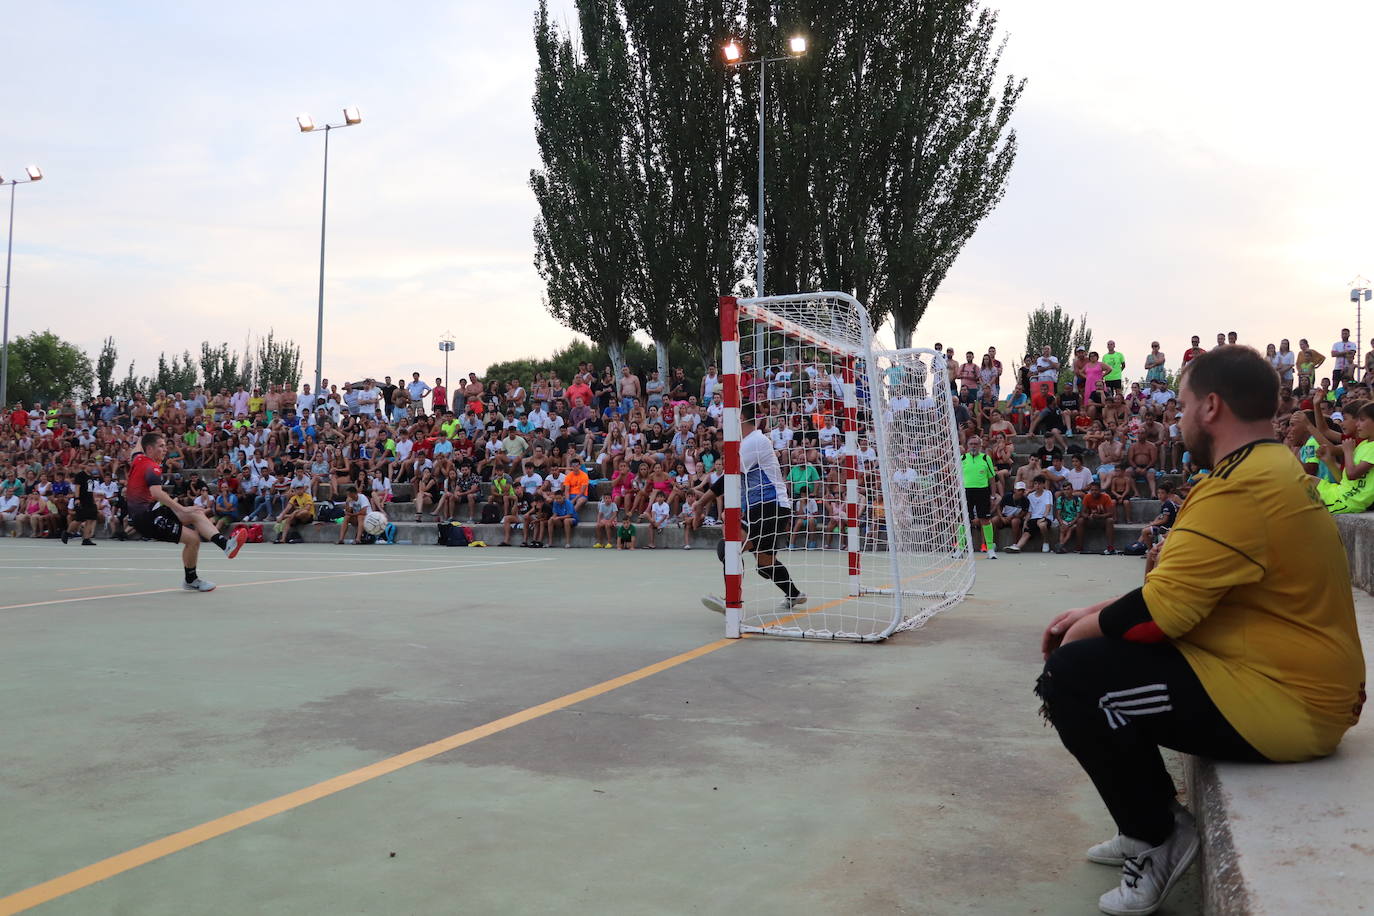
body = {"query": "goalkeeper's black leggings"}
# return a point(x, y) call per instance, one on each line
point(775, 573)
point(1115, 703)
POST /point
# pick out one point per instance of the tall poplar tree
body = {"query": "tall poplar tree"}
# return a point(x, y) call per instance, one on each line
point(584, 241)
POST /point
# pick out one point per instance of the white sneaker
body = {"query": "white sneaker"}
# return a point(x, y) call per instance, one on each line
point(713, 603)
point(1149, 873)
point(788, 604)
point(992, 554)
point(200, 585)
point(1110, 852)
point(1012, 548)
point(1044, 548)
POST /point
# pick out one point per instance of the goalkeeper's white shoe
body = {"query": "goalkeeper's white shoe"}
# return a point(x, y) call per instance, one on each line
point(788, 604)
point(713, 603)
point(1111, 852)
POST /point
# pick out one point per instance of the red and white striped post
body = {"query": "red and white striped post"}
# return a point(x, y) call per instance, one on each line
point(734, 534)
point(851, 470)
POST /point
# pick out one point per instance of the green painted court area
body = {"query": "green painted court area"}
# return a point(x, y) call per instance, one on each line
point(751, 776)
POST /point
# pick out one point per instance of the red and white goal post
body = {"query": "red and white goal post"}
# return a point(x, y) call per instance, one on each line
point(866, 439)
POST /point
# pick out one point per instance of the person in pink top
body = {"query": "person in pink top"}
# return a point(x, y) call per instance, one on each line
point(1093, 372)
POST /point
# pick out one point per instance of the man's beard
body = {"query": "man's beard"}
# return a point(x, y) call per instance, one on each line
point(1199, 444)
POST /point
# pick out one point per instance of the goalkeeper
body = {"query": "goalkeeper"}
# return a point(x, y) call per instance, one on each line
point(767, 512)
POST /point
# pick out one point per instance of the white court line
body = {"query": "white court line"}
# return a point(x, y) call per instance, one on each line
point(238, 568)
point(342, 556)
point(337, 575)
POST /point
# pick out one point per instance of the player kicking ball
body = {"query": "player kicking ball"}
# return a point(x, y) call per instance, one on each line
point(154, 514)
point(767, 512)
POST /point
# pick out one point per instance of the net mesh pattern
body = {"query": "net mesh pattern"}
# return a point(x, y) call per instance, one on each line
point(908, 559)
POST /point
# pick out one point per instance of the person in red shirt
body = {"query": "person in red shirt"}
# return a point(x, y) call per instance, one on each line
point(440, 395)
point(20, 418)
point(155, 514)
point(1194, 351)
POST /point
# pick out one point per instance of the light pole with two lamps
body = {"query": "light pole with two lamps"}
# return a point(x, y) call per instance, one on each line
point(351, 117)
point(446, 347)
point(734, 57)
point(34, 173)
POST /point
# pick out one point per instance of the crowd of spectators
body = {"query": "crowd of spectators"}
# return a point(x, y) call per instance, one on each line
point(1109, 440)
point(530, 453)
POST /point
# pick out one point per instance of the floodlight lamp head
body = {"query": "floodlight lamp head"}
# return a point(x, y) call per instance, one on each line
point(306, 122)
point(732, 52)
point(798, 44)
point(34, 173)
point(1355, 295)
point(352, 115)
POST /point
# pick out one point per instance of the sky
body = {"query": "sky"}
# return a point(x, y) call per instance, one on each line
point(1183, 168)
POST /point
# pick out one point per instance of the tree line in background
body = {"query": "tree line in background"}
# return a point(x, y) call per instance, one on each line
point(887, 144)
point(43, 367)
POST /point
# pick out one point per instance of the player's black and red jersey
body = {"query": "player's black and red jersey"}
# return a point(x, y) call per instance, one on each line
point(144, 473)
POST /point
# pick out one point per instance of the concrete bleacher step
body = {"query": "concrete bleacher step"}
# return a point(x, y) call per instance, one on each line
point(427, 533)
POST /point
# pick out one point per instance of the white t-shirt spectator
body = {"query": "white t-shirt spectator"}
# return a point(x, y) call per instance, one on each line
point(1041, 504)
point(1078, 478)
point(304, 402)
point(1344, 350)
point(404, 448)
point(9, 507)
point(238, 402)
point(1047, 370)
point(659, 510)
point(781, 437)
point(1161, 397)
point(368, 399)
point(530, 482)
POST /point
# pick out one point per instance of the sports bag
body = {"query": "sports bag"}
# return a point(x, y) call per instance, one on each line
point(452, 534)
point(491, 514)
point(254, 533)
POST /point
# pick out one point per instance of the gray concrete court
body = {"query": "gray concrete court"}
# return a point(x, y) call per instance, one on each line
point(768, 776)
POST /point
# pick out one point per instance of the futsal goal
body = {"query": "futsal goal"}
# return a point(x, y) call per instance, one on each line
point(877, 538)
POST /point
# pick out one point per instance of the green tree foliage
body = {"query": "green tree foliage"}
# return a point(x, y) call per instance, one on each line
point(133, 384)
point(179, 375)
point(564, 362)
point(219, 368)
point(277, 362)
point(1055, 328)
point(950, 151)
point(44, 367)
point(105, 366)
point(584, 248)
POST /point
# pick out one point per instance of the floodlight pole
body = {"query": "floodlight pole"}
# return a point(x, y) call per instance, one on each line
point(307, 125)
point(9, 257)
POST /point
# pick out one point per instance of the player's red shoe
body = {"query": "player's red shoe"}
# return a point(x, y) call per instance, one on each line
point(236, 542)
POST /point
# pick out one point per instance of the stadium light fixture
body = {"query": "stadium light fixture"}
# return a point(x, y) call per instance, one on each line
point(34, 173)
point(352, 117)
point(798, 44)
point(732, 52)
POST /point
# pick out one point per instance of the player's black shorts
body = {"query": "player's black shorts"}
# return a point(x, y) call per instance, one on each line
point(160, 524)
point(979, 502)
point(1113, 384)
point(86, 513)
point(764, 524)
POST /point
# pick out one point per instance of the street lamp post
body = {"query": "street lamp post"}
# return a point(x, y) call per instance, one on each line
point(446, 347)
point(734, 57)
point(1359, 294)
point(307, 124)
point(34, 173)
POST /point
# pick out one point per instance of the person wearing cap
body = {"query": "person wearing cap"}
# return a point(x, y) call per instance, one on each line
point(1012, 510)
point(300, 510)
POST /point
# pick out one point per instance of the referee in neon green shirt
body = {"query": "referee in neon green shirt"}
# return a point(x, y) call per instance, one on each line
point(979, 473)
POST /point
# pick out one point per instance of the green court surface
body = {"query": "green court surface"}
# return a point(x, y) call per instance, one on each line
point(141, 725)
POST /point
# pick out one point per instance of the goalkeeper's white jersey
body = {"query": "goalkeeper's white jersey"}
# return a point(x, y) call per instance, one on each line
point(763, 480)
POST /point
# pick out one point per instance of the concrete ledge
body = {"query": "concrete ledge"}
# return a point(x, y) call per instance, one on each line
point(1357, 532)
point(1289, 839)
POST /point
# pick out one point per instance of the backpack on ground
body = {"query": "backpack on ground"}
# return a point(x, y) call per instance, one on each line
point(328, 512)
point(452, 534)
point(254, 533)
point(491, 514)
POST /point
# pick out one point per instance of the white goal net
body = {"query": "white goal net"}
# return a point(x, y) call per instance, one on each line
point(877, 533)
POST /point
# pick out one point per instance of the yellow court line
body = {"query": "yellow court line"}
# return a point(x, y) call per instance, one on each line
point(86, 588)
point(148, 852)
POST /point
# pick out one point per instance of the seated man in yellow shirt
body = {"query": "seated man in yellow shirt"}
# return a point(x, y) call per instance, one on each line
point(300, 510)
point(1241, 645)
